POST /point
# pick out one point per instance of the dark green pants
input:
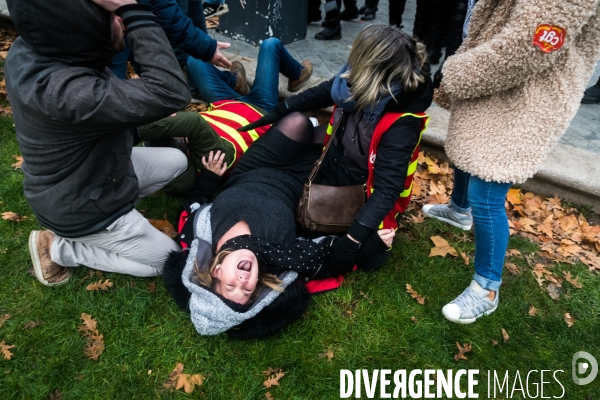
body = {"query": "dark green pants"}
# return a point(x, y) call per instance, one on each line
point(202, 139)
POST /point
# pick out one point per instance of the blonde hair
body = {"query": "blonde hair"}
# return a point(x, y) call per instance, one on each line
point(380, 55)
point(206, 279)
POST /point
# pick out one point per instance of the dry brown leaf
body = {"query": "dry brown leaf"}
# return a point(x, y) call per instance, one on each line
point(327, 354)
point(274, 380)
point(151, 287)
point(18, 163)
point(532, 311)
point(505, 336)
point(4, 318)
point(95, 342)
point(4, 349)
point(56, 395)
point(11, 216)
point(269, 371)
point(100, 285)
point(164, 226)
point(414, 319)
point(442, 247)
point(413, 293)
point(566, 274)
point(512, 268)
point(268, 396)
point(514, 196)
point(178, 380)
point(33, 324)
point(465, 348)
point(417, 219)
point(464, 257)
point(553, 291)
point(494, 342)
point(569, 320)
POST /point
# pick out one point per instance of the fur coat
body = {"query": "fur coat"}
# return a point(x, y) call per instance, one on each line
point(516, 82)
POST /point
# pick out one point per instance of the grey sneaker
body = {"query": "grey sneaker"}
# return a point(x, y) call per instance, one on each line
point(445, 212)
point(470, 305)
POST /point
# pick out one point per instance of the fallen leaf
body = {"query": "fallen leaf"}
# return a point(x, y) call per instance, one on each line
point(569, 320)
point(566, 274)
point(328, 354)
point(269, 371)
point(494, 342)
point(553, 291)
point(4, 349)
point(417, 219)
point(414, 319)
point(532, 311)
point(100, 285)
point(273, 380)
point(164, 226)
point(413, 293)
point(505, 336)
point(178, 380)
point(442, 247)
point(151, 287)
point(464, 257)
point(4, 318)
point(57, 395)
point(33, 324)
point(512, 268)
point(11, 216)
point(268, 396)
point(95, 342)
point(514, 253)
point(514, 196)
point(461, 351)
point(18, 163)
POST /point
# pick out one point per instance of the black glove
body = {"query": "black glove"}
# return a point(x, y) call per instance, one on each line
point(343, 255)
point(438, 76)
point(280, 111)
point(373, 246)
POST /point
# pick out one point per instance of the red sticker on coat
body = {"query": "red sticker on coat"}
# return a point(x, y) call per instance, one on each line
point(549, 38)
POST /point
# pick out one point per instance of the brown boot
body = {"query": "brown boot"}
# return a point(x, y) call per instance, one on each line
point(307, 68)
point(240, 72)
point(47, 271)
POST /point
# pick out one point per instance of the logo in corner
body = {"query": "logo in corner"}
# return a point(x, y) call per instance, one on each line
point(549, 38)
point(579, 368)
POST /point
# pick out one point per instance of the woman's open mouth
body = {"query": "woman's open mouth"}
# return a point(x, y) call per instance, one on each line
point(245, 265)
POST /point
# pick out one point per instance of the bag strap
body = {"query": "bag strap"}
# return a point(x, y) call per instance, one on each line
point(320, 160)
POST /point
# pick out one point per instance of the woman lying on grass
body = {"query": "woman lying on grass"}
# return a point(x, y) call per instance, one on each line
point(251, 282)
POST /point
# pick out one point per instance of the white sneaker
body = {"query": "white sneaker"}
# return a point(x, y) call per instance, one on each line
point(446, 213)
point(212, 11)
point(470, 305)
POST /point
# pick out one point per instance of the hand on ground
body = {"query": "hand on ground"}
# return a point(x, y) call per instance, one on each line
point(215, 163)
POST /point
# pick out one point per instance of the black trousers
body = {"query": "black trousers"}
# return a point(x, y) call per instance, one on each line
point(396, 10)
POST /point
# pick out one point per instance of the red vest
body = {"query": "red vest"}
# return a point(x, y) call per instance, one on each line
point(226, 116)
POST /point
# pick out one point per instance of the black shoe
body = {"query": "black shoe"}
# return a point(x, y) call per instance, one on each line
point(314, 17)
point(369, 14)
point(591, 95)
point(346, 15)
point(434, 57)
point(330, 34)
point(362, 9)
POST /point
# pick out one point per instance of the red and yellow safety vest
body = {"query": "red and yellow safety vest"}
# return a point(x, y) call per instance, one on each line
point(383, 125)
point(226, 116)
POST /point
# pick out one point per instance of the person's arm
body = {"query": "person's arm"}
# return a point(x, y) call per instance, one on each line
point(510, 58)
point(391, 166)
point(209, 180)
point(182, 33)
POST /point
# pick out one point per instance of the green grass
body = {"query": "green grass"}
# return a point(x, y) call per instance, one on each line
point(144, 331)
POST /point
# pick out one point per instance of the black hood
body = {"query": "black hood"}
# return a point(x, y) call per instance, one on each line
point(75, 32)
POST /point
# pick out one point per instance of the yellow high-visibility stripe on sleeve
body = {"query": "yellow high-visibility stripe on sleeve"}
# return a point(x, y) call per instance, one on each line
point(235, 135)
point(236, 118)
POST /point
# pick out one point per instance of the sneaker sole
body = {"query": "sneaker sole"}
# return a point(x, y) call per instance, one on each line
point(469, 320)
point(448, 221)
point(224, 10)
point(35, 259)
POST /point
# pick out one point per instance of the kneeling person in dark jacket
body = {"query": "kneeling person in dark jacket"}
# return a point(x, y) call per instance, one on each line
point(76, 125)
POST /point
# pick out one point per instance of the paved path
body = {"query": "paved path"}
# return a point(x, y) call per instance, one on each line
point(328, 56)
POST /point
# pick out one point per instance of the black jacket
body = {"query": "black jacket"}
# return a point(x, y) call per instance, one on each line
point(74, 119)
point(393, 154)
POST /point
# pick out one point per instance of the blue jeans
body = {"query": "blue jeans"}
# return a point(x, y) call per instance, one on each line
point(273, 58)
point(486, 201)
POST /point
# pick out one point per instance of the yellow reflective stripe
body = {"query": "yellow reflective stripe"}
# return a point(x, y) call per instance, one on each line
point(229, 130)
point(412, 167)
point(329, 129)
point(234, 153)
point(406, 193)
point(236, 118)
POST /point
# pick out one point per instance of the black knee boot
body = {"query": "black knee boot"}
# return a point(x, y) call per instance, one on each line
point(396, 11)
point(314, 10)
point(333, 27)
point(457, 15)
